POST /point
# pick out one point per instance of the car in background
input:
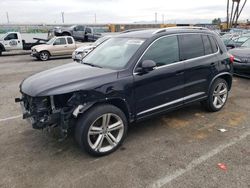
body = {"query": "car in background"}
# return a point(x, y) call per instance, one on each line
point(57, 46)
point(81, 52)
point(242, 59)
point(81, 32)
point(236, 42)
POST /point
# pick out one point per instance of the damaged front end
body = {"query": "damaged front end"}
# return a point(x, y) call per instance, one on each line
point(51, 111)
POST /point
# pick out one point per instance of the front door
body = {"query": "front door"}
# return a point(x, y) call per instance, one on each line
point(59, 47)
point(161, 88)
point(11, 42)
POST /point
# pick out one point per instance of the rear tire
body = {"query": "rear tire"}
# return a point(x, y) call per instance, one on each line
point(101, 130)
point(217, 96)
point(0, 53)
point(44, 55)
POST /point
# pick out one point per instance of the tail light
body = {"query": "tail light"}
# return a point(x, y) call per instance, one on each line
point(231, 58)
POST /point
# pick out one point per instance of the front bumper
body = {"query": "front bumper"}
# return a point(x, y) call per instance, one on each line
point(34, 54)
point(77, 56)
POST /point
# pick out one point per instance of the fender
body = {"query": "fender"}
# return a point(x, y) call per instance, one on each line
point(219, 75)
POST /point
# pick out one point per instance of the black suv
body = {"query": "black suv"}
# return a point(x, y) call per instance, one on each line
point(128, 78)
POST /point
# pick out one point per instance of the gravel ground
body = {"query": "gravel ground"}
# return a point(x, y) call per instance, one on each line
point(178, 149)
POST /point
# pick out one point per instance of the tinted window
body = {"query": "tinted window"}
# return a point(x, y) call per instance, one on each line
point(163, 51)
point(207, 45)
point(11, 36)
point(191, 46)
point(88, 30)
point(70, 41)
point(213, 44)
point(60, 41)
point(79, 28)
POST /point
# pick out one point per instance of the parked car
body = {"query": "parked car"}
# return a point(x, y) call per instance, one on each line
point(242, 59)
point(14, 41)
point(57, 46)
point(81, 52)
point(237, 41)
point(81, 32)
point(128, 78)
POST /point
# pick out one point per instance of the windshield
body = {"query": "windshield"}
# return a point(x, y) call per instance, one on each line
point(246, 44)
point(114, 53)
point(51, 41)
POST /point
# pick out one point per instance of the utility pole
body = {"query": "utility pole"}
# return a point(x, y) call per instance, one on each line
point(62, 17)
point(95, 18)
point(163, 19)
point(156, 17)
point(7, 15)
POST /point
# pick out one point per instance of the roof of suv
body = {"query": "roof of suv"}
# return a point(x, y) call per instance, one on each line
point(148, 33)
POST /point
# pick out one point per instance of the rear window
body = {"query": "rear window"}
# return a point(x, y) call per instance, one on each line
point(207, 45)
point(191, 46)
point(70, 41)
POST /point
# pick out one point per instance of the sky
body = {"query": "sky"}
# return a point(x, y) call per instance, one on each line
point(114, 11)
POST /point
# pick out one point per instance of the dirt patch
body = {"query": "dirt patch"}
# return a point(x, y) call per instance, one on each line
point(175, 122)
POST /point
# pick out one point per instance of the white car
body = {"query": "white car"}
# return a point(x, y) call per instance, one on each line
point(81, 52)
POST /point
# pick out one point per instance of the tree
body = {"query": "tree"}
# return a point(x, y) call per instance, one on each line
point(216, 21)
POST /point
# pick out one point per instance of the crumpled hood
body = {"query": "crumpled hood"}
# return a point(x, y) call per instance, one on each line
point(65, 79)
point(240, 52)
point(40, 47)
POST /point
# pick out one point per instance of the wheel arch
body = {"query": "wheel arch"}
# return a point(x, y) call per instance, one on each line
point(117, 102)
point(66, 33)
point(225, 76)
point(45, 51)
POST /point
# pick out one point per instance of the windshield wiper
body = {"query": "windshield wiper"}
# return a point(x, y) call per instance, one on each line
point(92, 65)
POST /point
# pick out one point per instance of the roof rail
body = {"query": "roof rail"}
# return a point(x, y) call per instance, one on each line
point(181, 27)
point(132, 30)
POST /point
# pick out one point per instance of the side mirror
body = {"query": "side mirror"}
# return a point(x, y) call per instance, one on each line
point(230, 46)
point(147, 66)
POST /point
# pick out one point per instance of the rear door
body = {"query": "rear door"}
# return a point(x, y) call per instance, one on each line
point(162, 88)
point(201, 64)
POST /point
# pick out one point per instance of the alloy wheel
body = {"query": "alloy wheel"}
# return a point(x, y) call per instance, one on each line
point(220, 95)
point(106, 132)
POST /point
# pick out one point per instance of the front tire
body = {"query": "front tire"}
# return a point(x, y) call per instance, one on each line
point(217, 97)
point(101, 130)
point(44, 56)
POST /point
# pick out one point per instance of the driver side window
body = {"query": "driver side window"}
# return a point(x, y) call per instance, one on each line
point(60, 41)
point(163, 51)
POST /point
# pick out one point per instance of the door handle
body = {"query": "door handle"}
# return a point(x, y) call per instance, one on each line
point(178, 73)
point(212, 64)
